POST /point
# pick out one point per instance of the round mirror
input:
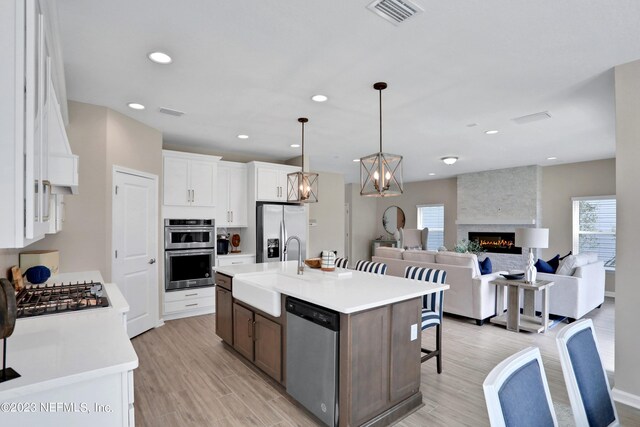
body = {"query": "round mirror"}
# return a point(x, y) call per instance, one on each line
point(393, 219)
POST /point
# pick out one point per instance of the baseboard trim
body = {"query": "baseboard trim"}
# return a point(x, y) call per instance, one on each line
point(610, 294)
point(626, 398)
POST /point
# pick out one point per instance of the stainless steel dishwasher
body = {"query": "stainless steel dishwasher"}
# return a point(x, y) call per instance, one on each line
point(312, 358)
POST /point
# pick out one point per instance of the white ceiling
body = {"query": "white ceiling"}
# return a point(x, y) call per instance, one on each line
point(251, 66)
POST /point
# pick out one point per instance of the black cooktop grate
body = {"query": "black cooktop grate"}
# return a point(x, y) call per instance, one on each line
point(37, 300)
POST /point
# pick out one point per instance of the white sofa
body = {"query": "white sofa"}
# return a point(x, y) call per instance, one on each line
point(470, 293)
point(577, 292)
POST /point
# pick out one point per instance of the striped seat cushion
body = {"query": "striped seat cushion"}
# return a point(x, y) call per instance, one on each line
point(431, 303)
point(371, 267)
point(429, 318)
point(342, 263)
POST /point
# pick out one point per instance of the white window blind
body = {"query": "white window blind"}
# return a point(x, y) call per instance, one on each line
point(594, 227)
point(432, 217)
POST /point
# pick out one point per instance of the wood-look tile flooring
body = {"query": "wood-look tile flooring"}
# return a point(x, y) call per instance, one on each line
point(188, 378)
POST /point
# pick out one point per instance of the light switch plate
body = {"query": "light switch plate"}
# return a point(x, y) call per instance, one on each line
point(414, 332)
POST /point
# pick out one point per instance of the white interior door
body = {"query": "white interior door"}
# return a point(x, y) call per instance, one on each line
point(135, 247)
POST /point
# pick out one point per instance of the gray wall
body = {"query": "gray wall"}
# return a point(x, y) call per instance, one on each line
point(439, 191)
point(562, 182)
point(627, 374)
point(362, 223)
point(328, 214)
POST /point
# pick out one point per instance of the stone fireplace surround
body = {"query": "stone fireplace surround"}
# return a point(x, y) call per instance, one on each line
point(500, 201)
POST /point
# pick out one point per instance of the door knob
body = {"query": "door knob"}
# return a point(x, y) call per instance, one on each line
point(152, 261)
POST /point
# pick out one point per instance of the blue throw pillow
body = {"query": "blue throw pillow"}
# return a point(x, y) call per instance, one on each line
point(544, 267)
point(485, 266)
point(554, 263)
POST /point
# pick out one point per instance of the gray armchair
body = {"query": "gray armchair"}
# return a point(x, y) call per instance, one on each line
point(413, 237)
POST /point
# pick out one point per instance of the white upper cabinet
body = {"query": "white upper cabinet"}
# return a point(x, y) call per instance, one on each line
point(232, 195)
point(189, 179)
point(271, 181)
point(29, 120)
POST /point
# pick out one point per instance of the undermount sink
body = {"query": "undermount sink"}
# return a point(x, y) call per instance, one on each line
point(258, 292)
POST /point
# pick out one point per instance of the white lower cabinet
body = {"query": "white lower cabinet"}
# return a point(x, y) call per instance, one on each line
point(190, 302)
point(105, 401)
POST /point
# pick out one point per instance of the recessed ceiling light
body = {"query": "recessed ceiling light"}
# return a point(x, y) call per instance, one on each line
point(243, 136)
point(356, 160)
point(295, 145)
point(491, 132)
point(160, 58)
point(319, 98)
point(449, 160)
point(136, 106)
point(431, 174)
point(552, 158)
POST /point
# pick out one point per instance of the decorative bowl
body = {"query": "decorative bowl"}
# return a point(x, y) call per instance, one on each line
point(313, 262)
point(513, 276)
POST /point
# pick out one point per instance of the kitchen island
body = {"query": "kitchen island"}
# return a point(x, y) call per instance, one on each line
point(76, 368)
point(379, 331)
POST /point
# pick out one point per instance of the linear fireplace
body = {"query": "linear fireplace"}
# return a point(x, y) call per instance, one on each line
point(496, 241)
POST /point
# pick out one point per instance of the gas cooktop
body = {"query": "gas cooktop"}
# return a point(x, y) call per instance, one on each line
point(37, 300)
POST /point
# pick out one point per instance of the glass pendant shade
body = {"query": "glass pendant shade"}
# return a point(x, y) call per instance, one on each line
point(302, 187)
point(381, 173)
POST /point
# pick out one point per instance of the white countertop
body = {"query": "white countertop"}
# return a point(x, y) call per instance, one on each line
point(359, 292)
point(60, 349)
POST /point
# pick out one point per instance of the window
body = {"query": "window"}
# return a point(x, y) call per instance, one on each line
point(594, 227)
point(432, 217)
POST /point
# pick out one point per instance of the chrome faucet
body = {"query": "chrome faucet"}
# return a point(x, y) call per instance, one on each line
point(286, 245)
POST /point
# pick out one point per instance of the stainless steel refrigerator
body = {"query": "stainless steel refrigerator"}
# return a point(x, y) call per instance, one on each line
point(275, 224)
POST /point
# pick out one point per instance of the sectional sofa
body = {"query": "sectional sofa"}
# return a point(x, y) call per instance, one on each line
point(470, 293)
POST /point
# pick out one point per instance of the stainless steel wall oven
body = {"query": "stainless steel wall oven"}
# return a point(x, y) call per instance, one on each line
point(190, 253)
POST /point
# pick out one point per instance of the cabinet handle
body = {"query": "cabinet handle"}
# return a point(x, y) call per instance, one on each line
point(45, 200)
point(191, 295)
point(188, 196)
point(231, 216)
point(249, 328)
point(191, 305)
point(255, 336)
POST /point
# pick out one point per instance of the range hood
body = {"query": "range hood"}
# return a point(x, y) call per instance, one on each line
point(62, 163)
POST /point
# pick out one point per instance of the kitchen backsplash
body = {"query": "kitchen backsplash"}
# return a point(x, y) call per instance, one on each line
point(8, 258)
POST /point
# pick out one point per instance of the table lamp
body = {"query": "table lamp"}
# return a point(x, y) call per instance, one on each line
point(532, 238)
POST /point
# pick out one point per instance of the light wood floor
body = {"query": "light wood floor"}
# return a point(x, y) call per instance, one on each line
point(187, 378)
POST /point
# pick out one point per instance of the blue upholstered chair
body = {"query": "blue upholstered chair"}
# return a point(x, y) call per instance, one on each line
point(431, 308)
point(371, 267)
point(517, 393)
point(585, 376)
point(342, 263)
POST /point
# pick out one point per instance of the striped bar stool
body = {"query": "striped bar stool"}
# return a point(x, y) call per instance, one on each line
point(371, 267)
point(342, 263)
point(431, 308)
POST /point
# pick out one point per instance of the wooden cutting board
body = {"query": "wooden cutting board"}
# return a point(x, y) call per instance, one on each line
point(16, 276)
point(8, 309)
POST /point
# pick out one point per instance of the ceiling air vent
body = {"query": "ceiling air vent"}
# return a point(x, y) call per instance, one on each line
point(532, 117)
point(395, 11)
point(171, 112)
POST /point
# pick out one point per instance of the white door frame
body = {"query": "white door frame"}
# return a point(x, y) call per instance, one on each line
point(121, 169)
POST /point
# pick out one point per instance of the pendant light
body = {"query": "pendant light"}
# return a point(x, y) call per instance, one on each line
point(381, 173)
point(302, 187)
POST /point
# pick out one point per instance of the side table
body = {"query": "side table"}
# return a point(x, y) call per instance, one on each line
point(528, 321)
point(390, 243)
